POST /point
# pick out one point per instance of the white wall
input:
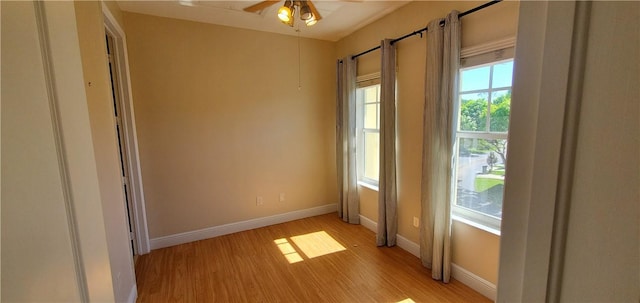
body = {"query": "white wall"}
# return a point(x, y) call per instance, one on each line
point(594, 256)
point(603, 244)
point(53, 236)
point(33, 204)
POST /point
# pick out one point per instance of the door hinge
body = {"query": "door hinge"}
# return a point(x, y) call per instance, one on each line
point(125, 180)
point(131, 236)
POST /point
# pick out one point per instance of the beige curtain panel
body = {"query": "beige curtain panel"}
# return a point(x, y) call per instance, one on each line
point(443, 57)
point(348, 202)
point(387, 192)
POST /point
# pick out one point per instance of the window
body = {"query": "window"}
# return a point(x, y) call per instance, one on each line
point(480, 152)
point(368, 129)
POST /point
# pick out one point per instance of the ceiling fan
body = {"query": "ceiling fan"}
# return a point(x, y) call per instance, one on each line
point(304, 8)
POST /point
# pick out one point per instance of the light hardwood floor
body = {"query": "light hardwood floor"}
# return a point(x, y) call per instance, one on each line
point(318, 259)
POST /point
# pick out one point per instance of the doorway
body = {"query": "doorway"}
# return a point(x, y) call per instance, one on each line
point(125, 127)
point(122, 148)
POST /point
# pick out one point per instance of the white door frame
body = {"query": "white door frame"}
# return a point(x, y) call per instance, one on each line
point(139, 215)
point(547, 84)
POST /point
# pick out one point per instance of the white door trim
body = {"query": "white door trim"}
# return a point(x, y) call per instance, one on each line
point(63, 77)
point(137, 193)
point(58, 134)
point(550, 54)
point(568, 147)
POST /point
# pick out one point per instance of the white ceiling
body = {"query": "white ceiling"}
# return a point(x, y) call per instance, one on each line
point(339, 17)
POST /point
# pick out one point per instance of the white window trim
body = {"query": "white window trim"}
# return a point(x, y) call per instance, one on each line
point(361, 156)
point(364, 81)
point(488, 47)
point(369, 77)
point(476, 224)
point(479, 220)
point(368, 185)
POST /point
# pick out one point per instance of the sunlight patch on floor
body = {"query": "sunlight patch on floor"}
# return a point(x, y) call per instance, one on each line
point(288, 251)
point(407, 300)
point(310, 245)
point(317, 244)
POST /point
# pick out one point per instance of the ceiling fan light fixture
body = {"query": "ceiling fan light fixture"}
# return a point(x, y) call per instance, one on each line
point(289, 23)
point(311, 21)
point(287, 13)
point(305, 12)
point(284, 14)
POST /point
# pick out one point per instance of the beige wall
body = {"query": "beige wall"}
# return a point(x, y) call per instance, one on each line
point(54, 246)
point(220, 121)
point(494, 23)
point(475, 250)
point(91, 34)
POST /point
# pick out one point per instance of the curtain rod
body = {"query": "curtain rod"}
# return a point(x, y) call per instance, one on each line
point(419, 32)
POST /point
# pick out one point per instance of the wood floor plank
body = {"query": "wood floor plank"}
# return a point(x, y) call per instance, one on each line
point(332, 262)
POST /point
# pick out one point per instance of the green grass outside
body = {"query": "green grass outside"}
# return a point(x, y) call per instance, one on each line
point(499, 172)
point(483, 184)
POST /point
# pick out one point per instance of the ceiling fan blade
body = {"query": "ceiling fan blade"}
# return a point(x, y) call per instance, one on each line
point(314, 10)
point(260, 6)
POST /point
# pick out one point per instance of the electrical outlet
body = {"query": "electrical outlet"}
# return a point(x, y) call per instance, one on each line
point(281, 197)
point(259, 201)
point(416, 222)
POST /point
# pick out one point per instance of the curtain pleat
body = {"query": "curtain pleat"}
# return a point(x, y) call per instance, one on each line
point(441, 86)
point(387, 192)
point(348, 202)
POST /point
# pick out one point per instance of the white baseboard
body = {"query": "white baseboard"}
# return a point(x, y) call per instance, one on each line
point(402, 242)
point(369, 224)
point(470, 279)
point(133, 294)
point(466, 277)
point(408, 245)
point(235, 227)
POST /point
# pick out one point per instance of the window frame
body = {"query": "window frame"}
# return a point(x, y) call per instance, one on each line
point(364, 82)
point(487, 57)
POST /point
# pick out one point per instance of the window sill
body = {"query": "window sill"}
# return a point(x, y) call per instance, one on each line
point(460, 219)
point(477, 225)
point(370, 186)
